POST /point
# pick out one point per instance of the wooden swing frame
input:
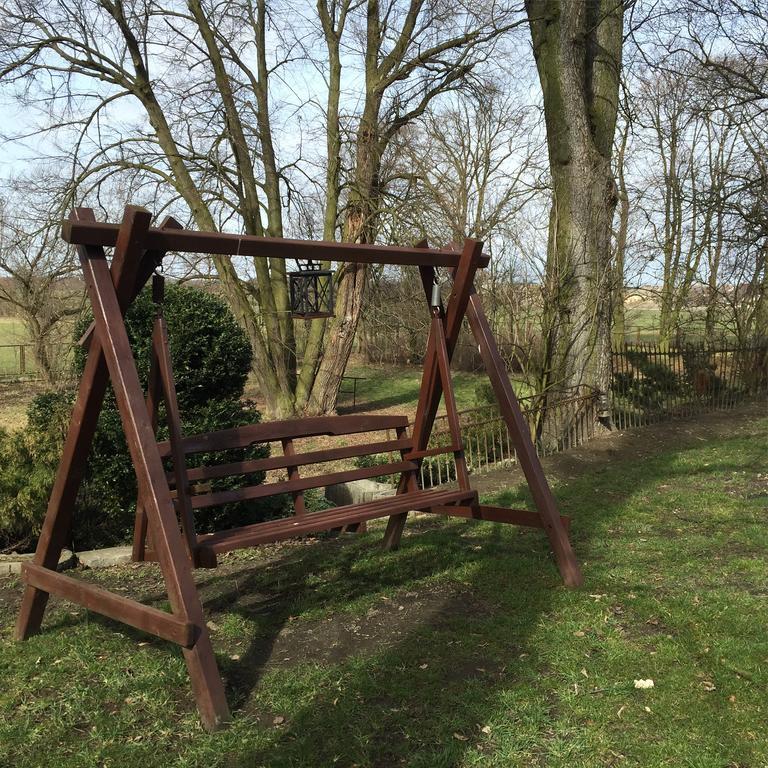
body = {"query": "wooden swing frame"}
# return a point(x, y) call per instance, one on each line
point(166, 516)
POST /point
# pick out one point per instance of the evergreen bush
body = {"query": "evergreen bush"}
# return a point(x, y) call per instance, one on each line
point(211, 357)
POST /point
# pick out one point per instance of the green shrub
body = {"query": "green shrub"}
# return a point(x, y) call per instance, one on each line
point(28, 461)
point(210, 353)
point(211, 358)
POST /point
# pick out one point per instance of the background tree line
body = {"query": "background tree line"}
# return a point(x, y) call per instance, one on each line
point(599, 148)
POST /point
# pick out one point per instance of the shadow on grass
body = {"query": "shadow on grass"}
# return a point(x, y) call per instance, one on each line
point(367, 406)
point(383, 707)
point(387, 709)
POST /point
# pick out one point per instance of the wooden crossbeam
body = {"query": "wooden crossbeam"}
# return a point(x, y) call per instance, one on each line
point(524, 517)
point(223, 244)
point(143, 617)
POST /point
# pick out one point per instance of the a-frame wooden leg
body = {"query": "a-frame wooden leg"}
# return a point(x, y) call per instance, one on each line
point(126, 266)
point(155, 493)
point(521, 438)
point(110, 357)
point(452, 412)
point(154, 393)
point(141, 523)
point(184, 505)
point(431, 383)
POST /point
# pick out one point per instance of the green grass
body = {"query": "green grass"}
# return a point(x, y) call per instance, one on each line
point(11, 332)
point(392, 386)
point(461, 649)
point(642, 324)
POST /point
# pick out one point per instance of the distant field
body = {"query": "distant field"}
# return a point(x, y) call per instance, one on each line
point(12, 331)
point(642, 323)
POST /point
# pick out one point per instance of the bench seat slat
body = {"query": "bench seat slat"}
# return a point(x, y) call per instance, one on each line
point(303, 484)
point(276, 530)
point(242, 437)
point(299, 460)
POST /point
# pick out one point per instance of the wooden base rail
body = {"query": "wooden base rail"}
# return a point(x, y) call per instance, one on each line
point(523, 517)
point(275, 530)
point(143, 617)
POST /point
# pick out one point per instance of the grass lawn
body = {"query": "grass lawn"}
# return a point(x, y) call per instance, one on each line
point(462, 649)
point(397, 388)
point(11, 332)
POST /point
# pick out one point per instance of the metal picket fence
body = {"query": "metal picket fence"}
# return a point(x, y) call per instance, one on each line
point(487, 444)
point(650, 383)
point(653, 383)
point(17, 361)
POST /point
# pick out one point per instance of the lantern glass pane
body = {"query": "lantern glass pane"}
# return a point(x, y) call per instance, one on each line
point(311, 293)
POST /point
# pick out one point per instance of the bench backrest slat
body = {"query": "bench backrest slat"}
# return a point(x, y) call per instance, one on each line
point(305, 483)
point(300, 460)
point(242, 437)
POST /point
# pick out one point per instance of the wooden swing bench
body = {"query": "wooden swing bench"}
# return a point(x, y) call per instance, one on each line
point(167, 500)
point(207, 546)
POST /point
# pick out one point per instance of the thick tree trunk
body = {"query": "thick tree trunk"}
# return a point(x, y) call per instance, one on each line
point(349, 305)
point(360, 227)
point(618, 330)
point(578, 55)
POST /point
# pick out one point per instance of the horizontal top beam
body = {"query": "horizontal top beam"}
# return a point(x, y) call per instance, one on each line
point(225, 244)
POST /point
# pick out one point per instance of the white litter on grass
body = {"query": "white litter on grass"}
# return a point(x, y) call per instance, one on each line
point(643, 683)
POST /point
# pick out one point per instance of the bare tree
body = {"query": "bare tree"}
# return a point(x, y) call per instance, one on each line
point(465, 168)
point(578, 49)
point(210, 82)
point(39, 271)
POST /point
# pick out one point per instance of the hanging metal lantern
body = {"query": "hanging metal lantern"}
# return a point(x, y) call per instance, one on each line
point(311, 291)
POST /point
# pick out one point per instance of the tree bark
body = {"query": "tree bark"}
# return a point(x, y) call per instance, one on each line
point(578, 47)
point(618, 329)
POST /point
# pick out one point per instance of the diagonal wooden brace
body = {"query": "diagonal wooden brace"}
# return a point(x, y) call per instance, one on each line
point(521, 438)
point(128, 260)
point(155, 492)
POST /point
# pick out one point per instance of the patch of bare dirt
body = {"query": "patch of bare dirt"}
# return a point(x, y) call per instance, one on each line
point(340, 635)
